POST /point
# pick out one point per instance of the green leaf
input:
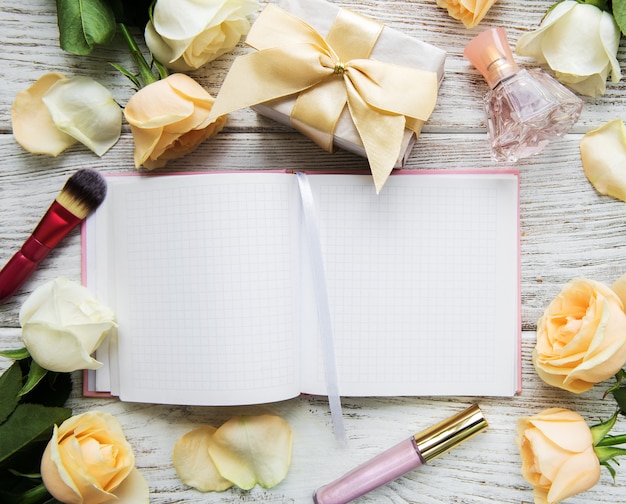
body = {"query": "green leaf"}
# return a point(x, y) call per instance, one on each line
point(15, 488)
point(599, 431)
point(600, 4)
point(132, 12)
point(17, 354)
point(619, 13)
point(84, 24)
point(10, 385)
point(606, 453)
point(28, 423)
point(620, 397)
point(132, 77)
point(52, 390)
point(610, 468)
point(35, 375)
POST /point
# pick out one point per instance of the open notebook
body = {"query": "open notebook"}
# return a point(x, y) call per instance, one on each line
point(211, 276)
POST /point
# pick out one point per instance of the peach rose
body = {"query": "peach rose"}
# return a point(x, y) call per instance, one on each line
point(558, 459)
point(89, 461)
point(469, 12)
point(169, 118)
point(581, 337)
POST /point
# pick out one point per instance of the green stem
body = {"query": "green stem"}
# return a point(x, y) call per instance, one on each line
point(145, 72)
point(612, 440)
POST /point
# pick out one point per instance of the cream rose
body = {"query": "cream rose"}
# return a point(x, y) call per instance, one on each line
point(579, 43)
point(89, 461)
point(186, 34)
point(469, 12)
point(62, 324)
point(558, 458)
point(169, 118)
point(581, 337)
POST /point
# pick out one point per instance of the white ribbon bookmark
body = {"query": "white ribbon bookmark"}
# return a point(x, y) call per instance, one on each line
point(321, 296)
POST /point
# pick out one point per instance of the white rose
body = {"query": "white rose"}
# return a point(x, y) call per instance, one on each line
point(186, 34)
point(62, 324)
point(579, 43)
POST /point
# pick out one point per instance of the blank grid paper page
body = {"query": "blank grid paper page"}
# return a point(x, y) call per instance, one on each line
point(205, 272)
point(423, 283)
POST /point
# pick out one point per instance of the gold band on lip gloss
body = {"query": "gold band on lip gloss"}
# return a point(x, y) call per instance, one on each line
point(447, 434)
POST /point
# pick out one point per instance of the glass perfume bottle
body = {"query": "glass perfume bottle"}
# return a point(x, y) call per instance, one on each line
point(526, 109)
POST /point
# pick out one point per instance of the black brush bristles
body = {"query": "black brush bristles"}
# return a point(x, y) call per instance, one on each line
point(83, 192)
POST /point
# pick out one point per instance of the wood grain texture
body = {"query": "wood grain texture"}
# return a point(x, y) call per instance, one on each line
point(567, 230)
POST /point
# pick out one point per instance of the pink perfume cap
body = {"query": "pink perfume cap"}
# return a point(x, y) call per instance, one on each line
point(491, 54)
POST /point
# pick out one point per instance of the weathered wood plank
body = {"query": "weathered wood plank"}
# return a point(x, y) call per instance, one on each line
point(567, 230)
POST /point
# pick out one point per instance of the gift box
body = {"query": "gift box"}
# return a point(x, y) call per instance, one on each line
point(341, 78)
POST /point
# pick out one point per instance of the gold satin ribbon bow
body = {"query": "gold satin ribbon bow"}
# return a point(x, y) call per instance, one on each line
point(382, 98)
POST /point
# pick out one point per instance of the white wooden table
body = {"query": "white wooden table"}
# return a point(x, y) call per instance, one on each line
point(568, 230)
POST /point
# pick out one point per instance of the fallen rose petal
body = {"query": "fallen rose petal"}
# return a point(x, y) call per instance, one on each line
point(603, 154)
point(253, 449)
point(33, 127)
point(86, 110)
point(193, 463)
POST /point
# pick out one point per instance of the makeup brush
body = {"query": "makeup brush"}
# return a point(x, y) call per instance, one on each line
point(82, 194)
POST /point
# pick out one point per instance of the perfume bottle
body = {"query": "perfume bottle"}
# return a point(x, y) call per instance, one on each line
point(526, 109)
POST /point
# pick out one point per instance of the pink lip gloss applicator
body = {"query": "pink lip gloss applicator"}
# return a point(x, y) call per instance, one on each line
point(404, 457)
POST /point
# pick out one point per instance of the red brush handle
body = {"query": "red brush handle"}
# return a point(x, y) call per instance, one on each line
point(53, 227)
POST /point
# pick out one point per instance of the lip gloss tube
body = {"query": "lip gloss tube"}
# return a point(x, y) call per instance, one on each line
point(404, 457)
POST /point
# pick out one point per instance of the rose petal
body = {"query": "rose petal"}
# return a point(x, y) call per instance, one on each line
point(566, 46)
point(530, 44)
point(134, 489)
point(86, 110)
point(33, 127)
point(603, 154)
point(250, 450)
point(193, 463)
point(183, 19)
point(157, 105)
point(56, 349)
point(56, 478)
point(564, 428)
point(619, 287)
point(469, 12)
point(578, 473)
